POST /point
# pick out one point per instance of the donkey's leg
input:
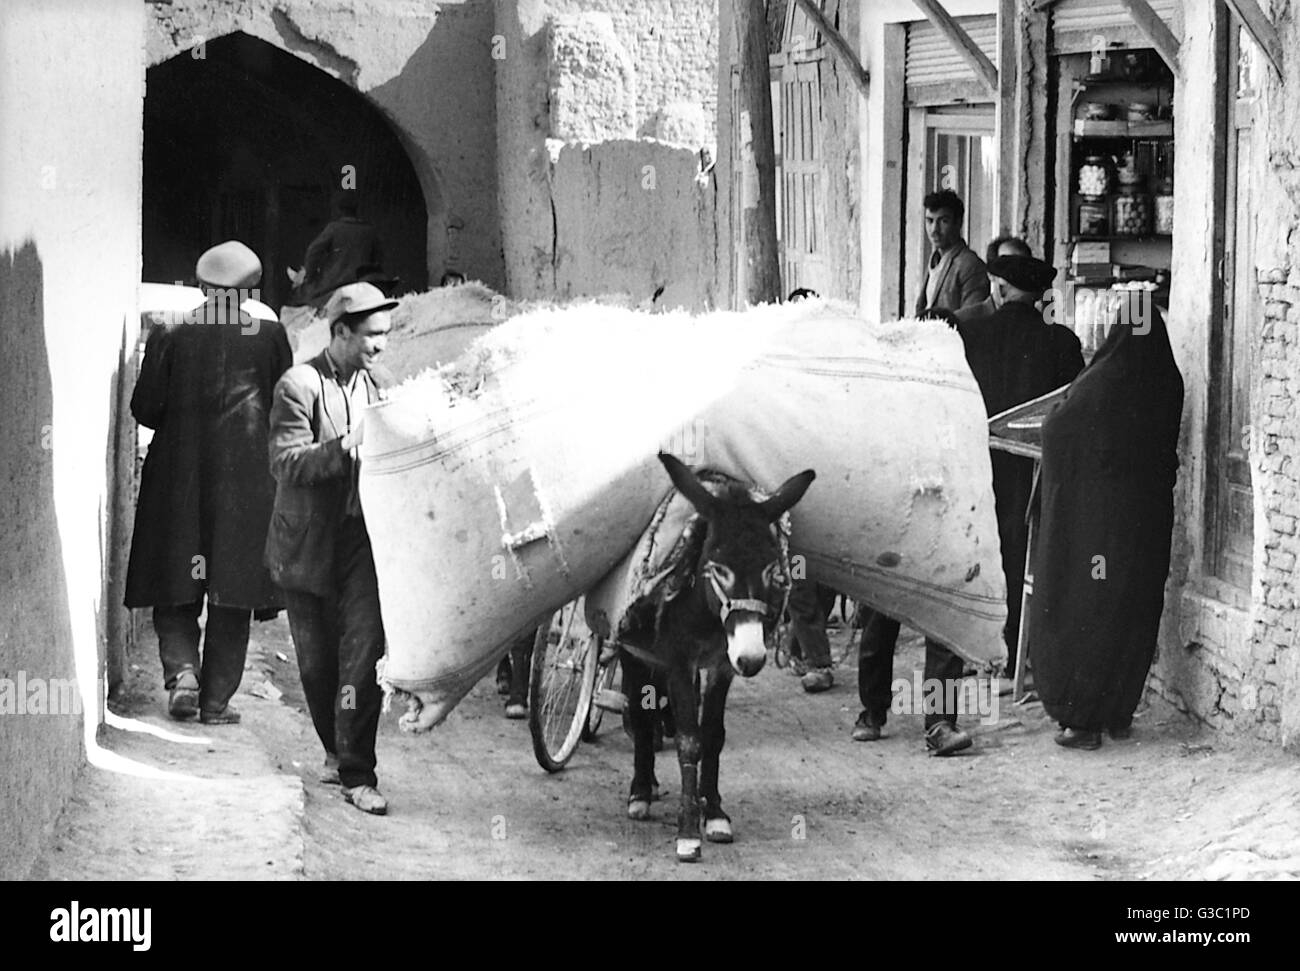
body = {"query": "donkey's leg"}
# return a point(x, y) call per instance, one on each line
point(685, 702)
point(635, 676)
point(713, 735)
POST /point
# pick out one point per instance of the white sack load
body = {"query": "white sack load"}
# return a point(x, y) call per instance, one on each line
point(511, 482)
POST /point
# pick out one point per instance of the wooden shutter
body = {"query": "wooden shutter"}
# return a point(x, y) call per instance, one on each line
point(1231, 529)
point(801, 167)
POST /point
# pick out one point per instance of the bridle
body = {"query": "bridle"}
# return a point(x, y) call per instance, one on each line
point(742, 604)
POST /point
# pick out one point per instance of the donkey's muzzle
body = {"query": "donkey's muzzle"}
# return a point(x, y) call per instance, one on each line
point(746, 648)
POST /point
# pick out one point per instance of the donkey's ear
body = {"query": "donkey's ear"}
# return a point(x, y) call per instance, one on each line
point(688, 484)
point(791, 491)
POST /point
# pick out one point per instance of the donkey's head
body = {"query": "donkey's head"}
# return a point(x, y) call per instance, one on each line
point(740, 573)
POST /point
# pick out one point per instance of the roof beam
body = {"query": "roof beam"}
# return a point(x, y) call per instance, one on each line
point(961, 43)
point(1261, 29)
point(1155, 30)
point(838, 44)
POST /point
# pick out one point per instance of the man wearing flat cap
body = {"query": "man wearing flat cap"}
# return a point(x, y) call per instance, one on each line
point(205, 496)
point(1016, 357)
point(318, 549)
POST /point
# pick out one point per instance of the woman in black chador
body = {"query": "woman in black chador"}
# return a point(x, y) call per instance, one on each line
point(1110, 458)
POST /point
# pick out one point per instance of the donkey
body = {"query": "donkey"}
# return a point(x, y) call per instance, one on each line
point(716, 626)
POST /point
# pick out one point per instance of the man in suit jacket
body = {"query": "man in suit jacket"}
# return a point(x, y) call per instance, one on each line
point(205, 496)
point(956, 276)
point(318, 549)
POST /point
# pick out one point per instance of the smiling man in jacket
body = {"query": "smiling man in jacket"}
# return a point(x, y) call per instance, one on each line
point(318, 549)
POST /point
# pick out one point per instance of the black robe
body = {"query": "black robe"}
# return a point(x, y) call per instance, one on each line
point(206, 489)
point(1110, 459)
point(1015, 358)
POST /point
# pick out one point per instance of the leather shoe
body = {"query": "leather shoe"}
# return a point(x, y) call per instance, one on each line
point(183, 701)
point(817, 680)
point(368, 799)
point(329, 773)
point(865, 730)
point(226, 716)
point(944, 739)
point(1078, 738)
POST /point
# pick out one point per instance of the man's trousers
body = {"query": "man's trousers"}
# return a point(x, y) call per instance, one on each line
point(225, 645)
point(338, 640)
point(876, 671)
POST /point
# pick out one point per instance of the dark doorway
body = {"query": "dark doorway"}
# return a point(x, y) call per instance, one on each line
point(250, 143)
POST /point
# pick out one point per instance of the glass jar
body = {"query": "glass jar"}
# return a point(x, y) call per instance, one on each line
point(1132, 215)
point(1164, 207)
point(1094, 176)
point(1094, 216)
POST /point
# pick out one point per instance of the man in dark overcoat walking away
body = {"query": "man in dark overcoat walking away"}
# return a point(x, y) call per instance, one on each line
point(205, 495)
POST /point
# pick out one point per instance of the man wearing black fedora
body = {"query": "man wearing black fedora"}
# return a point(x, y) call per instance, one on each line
point(1016, 357)
point(318, 549)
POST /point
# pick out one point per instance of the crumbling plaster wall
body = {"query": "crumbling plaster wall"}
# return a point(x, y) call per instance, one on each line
point(603, 109)
point(428, 67)
point(71, 96)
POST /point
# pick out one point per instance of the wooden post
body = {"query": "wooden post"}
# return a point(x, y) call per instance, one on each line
point(1261, 29)
point(1031, 132)
point(961, 43)
point(839, 45)
point(1006, 127)
point(1155, 30)
point(758, 156)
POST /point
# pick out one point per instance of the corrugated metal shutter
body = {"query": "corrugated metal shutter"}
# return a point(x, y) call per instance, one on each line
point(932, 60)
point(1099, 14)
point(1076, 22)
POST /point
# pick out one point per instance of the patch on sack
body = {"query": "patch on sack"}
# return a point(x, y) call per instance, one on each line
point(972, 573)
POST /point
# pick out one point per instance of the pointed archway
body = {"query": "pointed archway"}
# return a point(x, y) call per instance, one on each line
point(249, 142)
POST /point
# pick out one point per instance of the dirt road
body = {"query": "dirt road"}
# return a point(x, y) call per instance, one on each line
point(469, 801)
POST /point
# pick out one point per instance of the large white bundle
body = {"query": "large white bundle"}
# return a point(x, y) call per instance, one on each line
point(500, 488)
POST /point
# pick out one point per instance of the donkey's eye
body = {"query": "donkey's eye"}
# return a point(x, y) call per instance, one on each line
point(724, 574)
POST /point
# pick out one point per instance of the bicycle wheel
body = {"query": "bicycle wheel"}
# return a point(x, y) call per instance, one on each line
point(607, 695)
point(562, 679)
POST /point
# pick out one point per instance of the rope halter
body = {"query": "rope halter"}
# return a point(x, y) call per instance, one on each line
point(728, 605)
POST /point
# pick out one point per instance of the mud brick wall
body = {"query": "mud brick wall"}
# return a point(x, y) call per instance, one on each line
point(606, 110)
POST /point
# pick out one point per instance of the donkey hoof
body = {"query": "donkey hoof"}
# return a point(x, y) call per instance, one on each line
point(638, 809)
point(688, 850)
point(718, 830)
